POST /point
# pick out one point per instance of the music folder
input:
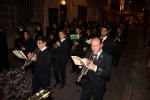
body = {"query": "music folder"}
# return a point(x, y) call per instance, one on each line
point(19, 54)
point(74, 37)
point(79, 61)
point(88, 41)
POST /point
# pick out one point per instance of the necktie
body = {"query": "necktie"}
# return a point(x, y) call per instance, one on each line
point(94, 58)
point(39, 51)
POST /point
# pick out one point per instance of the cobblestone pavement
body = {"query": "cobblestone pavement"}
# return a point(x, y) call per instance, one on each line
point(136, 89)
point(117, 86)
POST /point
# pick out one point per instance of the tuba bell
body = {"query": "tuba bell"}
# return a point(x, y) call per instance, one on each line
point(42, 94)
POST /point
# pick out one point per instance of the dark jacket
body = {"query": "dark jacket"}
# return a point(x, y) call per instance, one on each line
point(3, 41)
point(81, 44)
point(42, 64)
point(97, 80)
point(62, 51)
point(108, 45)
point(119, 45)
point(29, 46)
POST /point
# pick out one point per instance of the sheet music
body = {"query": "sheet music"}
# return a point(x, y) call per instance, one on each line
point(23, 54)
point(88, 41)
point(79, 61)
point(19, 54)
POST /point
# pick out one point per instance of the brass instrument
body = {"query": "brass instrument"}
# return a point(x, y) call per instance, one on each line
point(42, 94)
point(28, 61)
point(86, 47)
point(73, 49)
point(53, 49)
point(85, 70)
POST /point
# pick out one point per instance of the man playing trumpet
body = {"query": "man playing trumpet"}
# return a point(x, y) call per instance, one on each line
point(99, 71)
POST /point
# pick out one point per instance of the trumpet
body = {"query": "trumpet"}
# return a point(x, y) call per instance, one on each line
point(28, 61)
point(42, 94)
point(73, 49)
point(85, 70)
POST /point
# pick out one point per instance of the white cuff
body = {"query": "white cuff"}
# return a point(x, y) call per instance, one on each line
point(95, 68)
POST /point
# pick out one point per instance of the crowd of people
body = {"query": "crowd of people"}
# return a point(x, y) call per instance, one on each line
point(107, 43)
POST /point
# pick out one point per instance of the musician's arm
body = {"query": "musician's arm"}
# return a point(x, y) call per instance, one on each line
point(106, 70)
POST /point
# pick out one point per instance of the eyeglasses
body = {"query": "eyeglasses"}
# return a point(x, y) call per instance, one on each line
point(39, 43)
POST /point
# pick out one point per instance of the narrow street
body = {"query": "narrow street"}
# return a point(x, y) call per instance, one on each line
point(127, 82)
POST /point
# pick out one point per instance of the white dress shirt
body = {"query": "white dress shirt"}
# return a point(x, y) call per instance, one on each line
point(98, 54)
point(43, 48)
point(103, 38)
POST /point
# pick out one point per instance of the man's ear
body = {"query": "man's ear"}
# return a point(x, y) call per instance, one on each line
point(44, 43)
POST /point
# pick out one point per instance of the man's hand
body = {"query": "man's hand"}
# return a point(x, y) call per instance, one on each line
point(86, 60)
point(117, 38)
point(23, 48)
point(32, 58)
point(76, 43)
point(91, 66)
point(17, 36)
point(58, 43)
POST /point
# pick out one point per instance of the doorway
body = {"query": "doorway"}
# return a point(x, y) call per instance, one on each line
point(63, 11)
point(53, 16)
point(82, 12)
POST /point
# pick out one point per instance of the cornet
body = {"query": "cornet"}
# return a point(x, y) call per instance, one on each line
point(28, 61)
point(85, 70)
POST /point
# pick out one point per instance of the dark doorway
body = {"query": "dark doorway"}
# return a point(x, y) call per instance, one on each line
point(63, 11)
point(53, 16)
point(82, 12)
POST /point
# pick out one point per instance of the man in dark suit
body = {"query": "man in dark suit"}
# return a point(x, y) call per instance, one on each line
point(124, 30)
point(19, 38)
point(51, 41)
point(3, 52)
point(42, 61)
point(61, 59)
point(107, 41)
point(119, 42)
point(55, 30)
point(38, 31)
point(100, 70)
point(79, 49)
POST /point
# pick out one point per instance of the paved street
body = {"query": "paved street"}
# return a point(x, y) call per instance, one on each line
point(128, 81)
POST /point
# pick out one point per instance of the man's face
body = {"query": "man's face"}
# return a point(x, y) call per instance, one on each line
point(61, 35)
point(88, 31)
point(121, 25)
point(54, 25)
point(37, 27)
point(40, 44)
point(78, 31)
point(96, 45)
point(119, 30)
point(104, 32)
point(19, 27)
point(26, 35)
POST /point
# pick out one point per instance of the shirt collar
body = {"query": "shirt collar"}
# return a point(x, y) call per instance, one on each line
point(43, 48)
point(21, 29)
point(62, 40)
point(104, 38)
point(51, 37)
point(38, 29)
point(98, 54)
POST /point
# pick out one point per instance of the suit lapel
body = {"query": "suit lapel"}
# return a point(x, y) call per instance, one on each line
point(100, 58)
